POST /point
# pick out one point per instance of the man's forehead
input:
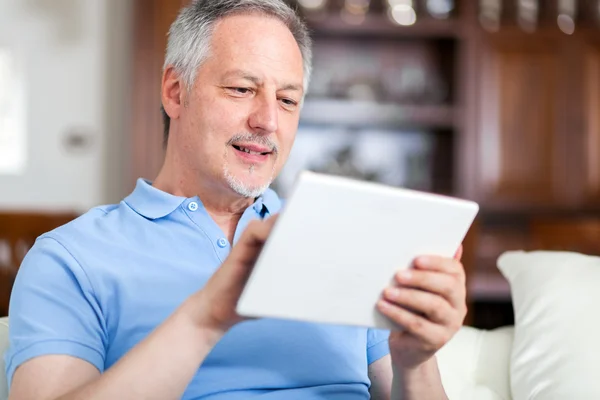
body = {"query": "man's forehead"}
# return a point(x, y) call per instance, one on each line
point(249, 33)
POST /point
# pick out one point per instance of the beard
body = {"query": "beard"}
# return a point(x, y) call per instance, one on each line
point(238, 185)
point(244, 189)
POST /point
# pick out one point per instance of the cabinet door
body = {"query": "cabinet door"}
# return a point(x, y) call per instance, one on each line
point(580, 235)
point(591, 123)
point(152, 21)
point(518, 153)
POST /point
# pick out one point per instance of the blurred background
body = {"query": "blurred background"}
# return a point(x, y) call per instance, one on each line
point(490, 100)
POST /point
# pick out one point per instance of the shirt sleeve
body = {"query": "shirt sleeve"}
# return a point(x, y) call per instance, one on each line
point(53, 310)
point(377, 344)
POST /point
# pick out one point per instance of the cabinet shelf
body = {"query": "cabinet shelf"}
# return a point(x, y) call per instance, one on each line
point(379, 25)
point(378, 115)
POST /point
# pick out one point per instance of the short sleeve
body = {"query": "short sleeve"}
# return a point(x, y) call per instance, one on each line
point(53, 309)
point(377, 344)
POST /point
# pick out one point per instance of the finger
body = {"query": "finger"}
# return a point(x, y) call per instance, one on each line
point(450, 287)
point(434, 307)
point(432, 335)
point(439, 264)
point(459, 253)
point(258, 231)
point(250, 244)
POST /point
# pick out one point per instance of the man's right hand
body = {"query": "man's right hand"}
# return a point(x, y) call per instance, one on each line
point(213, 307)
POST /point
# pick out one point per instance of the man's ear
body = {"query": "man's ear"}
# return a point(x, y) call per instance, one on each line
point(172, 92)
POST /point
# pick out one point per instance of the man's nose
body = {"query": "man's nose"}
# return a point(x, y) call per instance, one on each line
point(264, 116)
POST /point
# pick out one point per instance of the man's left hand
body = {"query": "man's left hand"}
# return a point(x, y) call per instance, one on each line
point(429, 302)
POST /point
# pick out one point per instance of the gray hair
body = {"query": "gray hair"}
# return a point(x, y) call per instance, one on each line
point(190, 35)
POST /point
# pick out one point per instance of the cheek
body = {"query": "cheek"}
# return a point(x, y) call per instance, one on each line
point(284, 153)
point(216, 116)
point(288, 126)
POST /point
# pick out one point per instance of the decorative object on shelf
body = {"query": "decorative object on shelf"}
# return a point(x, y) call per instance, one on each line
point(352, 113)
point(312, 4)
point(528, 14)
point(490, 14)
point(381, 70)
point(355, 11)
point(402, 12)
point(567, 12)
point(391, 18)
point(440, 9)
point(537, 15)
point(394, 157)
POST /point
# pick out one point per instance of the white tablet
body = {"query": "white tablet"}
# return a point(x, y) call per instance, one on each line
point(339, 242)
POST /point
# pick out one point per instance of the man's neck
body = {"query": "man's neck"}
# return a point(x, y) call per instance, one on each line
point(222, 204)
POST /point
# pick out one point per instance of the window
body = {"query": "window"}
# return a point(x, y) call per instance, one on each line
point(12, 116)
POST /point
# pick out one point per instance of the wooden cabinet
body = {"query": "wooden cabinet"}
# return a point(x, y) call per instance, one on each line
point(152, 21)
point(586, 119)
point(517, 130)
point(580, 235)
point(18, 232)
point(530, 149)
point(535, 138)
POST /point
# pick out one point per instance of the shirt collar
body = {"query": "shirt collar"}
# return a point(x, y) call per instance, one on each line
point(153, 203)
point(270, 201)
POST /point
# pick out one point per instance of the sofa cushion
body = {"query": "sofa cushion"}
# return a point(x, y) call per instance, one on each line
point(475, 364)
point(556, 351)
point(3, 347)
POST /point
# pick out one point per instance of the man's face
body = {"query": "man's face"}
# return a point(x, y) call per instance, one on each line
point(240, 118)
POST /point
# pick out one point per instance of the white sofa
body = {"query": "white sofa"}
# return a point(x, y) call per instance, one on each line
point(3, 347)
point(474, 365)
point(551, 353)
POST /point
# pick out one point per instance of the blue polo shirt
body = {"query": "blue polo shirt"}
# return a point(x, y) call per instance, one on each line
point(97, 286)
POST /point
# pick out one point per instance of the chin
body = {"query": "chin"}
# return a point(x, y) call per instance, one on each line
point(247, 186)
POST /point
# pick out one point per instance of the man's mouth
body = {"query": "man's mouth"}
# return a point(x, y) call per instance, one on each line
point(252, 149)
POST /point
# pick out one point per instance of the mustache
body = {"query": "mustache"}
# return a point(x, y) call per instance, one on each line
point(260, 140)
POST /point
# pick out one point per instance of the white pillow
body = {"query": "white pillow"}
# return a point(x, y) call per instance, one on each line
point(474, 364)
point(556, 350)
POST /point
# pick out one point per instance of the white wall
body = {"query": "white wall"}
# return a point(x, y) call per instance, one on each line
point(74, 56)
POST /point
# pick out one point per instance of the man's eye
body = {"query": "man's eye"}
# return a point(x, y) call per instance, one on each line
point(289, 102)
point(239, 90)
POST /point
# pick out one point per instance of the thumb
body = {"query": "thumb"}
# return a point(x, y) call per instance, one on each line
point(248, 248)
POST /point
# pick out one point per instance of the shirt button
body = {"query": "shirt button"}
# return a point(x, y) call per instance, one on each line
point(193, 206)
point(222, 242)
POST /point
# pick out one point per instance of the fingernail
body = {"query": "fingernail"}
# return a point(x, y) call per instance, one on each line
point(424, 261)
point(382, 304)
point(391, 292)
point(405, 275)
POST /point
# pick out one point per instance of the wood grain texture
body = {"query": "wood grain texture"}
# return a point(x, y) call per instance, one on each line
point(18, 232)
point(152, 21)
point(592, 123)
point(518, 128)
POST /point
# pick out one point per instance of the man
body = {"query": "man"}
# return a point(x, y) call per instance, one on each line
point(137, 300)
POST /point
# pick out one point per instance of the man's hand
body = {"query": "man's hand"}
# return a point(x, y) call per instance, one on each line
point(213, 307)
point(434, 291)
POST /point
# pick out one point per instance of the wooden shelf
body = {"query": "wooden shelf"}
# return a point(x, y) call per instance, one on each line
point(377, 115)
point(379, 25)
point(488, 286)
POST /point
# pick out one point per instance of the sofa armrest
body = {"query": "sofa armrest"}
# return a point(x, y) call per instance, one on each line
point(475, 364)
point(3, 348)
